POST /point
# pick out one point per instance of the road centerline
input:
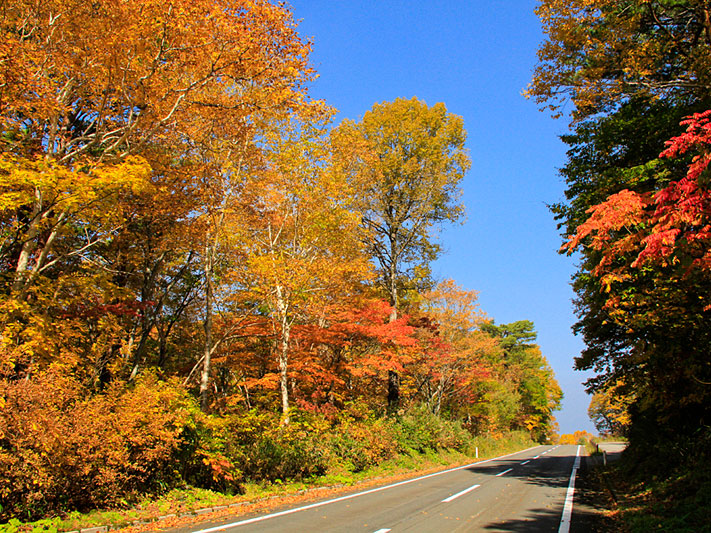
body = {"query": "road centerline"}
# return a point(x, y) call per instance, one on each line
point(461, 493)
point(504, 472)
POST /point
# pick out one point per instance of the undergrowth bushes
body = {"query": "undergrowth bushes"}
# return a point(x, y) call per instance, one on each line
point(64, 448)
point(667, 484)
point(296, 451)
point(359, 444)
point(420, 430)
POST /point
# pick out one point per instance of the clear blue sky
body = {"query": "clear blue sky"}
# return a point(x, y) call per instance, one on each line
point(477, 58)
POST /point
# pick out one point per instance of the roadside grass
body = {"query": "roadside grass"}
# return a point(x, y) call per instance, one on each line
point(187, 500)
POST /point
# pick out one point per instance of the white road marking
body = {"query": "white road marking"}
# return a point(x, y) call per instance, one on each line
point(526, 462)
point(537, 456)
point(568, 507)
point(382, 531)
point(351, 496)
point(458, 494)
point(502, 473)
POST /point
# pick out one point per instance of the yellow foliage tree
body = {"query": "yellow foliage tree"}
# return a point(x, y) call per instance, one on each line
point(301, 238)
point(609, 409)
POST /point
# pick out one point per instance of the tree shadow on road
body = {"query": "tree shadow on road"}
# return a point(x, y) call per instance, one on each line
point(589, 499)
point(537, 473)
point(537, 520)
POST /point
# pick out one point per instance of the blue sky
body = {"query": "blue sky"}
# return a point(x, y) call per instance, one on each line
point(477, 57)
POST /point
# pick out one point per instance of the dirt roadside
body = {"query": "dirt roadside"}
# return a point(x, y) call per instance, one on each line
point(595, 499)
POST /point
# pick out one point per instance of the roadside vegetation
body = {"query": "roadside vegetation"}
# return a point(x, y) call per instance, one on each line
point(580, 437)
point(663, 489)
point(311, 457)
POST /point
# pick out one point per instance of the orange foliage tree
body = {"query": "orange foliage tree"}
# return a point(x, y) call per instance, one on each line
point(297, 259)
point(455, 358)
point(409, 166)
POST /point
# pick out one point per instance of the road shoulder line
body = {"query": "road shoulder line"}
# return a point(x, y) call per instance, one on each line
point(570, 494)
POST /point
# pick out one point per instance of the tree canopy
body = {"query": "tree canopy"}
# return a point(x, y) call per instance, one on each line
point(410, 173)
point(598, 53)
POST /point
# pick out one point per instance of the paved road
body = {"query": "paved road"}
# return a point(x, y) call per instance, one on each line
point(525, 491)
point(613, 450)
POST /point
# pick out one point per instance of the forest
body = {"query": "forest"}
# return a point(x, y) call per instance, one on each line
point(204, 281)
point(634, 78)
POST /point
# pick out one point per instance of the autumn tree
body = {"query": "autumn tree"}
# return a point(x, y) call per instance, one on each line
point(610, 154)
point(412, 162)
point(456, 351)
point(599, 53)
point(301, 238)
point(632, 70)
point(88, 110)
point(652, 251)
point(580, 437)
point(353, 344)
point(609, 409)
point(102, 103)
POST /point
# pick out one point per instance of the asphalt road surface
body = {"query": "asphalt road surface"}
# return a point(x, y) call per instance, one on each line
point(524, 491)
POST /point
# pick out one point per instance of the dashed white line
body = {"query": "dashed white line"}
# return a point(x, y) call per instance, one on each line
point(526, 462)
point(458, 494)
point(504, 472)
point(382, 531)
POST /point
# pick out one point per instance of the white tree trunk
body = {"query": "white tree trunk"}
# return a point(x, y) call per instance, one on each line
point(282, 308)
point(207, 324)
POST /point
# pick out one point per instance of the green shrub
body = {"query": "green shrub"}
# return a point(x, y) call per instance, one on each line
point(420, 430)
point(207, 457)
point(262, 449)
